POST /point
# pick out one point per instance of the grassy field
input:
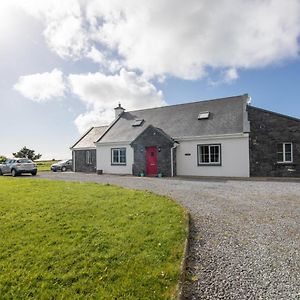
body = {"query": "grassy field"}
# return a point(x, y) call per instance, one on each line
point(45, 165)
point(62, 240)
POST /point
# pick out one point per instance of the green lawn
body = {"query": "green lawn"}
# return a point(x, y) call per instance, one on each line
point(45, 165)
point(62, 240)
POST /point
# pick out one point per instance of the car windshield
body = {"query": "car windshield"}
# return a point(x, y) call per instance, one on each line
point(24, 161)
point(63, 161)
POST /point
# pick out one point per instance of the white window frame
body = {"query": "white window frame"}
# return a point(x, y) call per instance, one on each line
point(88, 157)
point(284, 153)
point(118, 163)
point(219, 163)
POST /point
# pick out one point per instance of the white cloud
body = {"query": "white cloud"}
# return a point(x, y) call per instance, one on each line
point(101, 93)
point(230, 75)
point(172, 37)
point(41, 87)
point(111, 65)
point(226, 76)
point(157, 39)
point(64, 31)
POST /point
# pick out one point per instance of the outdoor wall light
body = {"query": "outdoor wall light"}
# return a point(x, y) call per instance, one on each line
point(159, 149)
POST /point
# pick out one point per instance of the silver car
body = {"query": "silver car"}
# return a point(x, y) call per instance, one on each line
point(18, 166)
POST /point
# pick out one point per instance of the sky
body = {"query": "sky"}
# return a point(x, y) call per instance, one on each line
point(64, 65)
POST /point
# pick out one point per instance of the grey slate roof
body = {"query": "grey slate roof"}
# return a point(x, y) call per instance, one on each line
point(227, 116)
point(90, 137)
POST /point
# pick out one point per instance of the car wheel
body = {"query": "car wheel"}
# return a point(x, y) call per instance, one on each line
point(33, 173)
point(54, 170)
point(14, 173)
point(1, 173)
point(63, 169)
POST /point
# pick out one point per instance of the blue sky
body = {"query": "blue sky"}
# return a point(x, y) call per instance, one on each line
point(65, 65)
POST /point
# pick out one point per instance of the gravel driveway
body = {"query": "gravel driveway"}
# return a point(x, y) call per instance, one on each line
point(245, 235)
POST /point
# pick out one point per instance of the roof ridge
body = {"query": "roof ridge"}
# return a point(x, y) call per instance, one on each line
point(189, 103)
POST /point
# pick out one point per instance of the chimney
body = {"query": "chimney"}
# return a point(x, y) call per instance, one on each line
point(119, 110)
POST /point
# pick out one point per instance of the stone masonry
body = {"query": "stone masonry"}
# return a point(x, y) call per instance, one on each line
point(80, 161)
point(267, 129)
point(153, 137)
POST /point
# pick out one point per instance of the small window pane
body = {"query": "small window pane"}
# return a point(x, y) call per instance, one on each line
point(214, 154)
point(288, 148)
point(280, 157)
point(280, 148)
point(204, 154)
point(288, 157)
point(115, 156)
point(122, 155)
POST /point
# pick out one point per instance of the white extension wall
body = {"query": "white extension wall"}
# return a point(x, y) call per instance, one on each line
point(104, 159)
point(234, 154)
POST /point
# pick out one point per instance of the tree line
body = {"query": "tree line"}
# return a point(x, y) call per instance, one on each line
point(23, 153)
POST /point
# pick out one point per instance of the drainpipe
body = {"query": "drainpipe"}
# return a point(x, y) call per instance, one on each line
point(172, 162)
point(73, 157)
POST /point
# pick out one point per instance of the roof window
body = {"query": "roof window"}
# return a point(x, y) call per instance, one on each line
point(137, 122)
point(203, 115)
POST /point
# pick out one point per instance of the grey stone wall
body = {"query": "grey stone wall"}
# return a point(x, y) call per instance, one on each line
point(80, 161)
point(152, 137)
point(267, 129)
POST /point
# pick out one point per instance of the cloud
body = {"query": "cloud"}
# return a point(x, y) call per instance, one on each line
point(156, 39)
point(101, 93)
point(225, 76)
point(230, 75)
point(41, 87)
point(172, 37)
point(112, 65)
point(64, 31)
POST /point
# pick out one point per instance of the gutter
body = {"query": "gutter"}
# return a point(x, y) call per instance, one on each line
point(172, 162)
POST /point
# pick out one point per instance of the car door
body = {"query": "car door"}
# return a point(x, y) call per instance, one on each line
point(6, 168)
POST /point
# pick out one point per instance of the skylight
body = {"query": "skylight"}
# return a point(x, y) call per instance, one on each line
point(138, 122)
point(203, 115)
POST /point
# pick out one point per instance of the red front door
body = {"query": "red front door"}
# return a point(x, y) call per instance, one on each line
point(151, 161)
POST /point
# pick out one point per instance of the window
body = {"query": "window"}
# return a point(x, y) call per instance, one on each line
point(209, 155)
point(203, 115)
point(24, 161)
point(137, 122)
point(88, 157)
point(118, 156)
point(285, 152)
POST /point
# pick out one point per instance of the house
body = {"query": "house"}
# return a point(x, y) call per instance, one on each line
point(220, 137)
point(84, 150)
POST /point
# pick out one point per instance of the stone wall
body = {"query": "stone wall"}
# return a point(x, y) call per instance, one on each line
point(152, 137)
point(80, 161)
point(267, 129)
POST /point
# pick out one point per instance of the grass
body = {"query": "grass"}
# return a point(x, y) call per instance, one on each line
point(45, 165)
point(62, 240)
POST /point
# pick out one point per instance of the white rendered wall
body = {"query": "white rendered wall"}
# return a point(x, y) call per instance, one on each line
point(104, 160)
point(234, 157)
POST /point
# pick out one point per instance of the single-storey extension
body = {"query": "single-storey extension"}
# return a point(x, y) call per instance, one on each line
point(221, 137)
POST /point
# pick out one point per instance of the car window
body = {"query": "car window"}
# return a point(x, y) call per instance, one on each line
point(24, 161)
point(7, 161)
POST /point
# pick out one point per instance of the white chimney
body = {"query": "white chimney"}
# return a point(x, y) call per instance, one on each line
point(119, 110)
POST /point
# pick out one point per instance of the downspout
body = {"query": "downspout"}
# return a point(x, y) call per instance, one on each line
point(172, 162)
point(74, 160)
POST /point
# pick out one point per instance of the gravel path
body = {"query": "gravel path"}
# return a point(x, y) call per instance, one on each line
point(245, 235)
